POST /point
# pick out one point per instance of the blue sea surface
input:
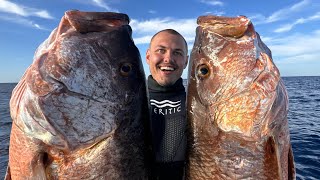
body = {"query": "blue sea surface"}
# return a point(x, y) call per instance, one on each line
point(303, 117)
point(5, 125)
point(304, 124)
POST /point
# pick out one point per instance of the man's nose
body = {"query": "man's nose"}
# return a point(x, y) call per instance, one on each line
point(168, 57)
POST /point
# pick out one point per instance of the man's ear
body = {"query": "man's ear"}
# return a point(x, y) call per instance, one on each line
point(148, 56)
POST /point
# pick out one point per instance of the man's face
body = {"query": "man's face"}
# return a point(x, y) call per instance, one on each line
point(167, 57)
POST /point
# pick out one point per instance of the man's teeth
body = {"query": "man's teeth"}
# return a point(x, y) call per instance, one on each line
point(166, 68)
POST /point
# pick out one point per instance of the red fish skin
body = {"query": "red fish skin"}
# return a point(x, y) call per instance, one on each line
point(237, 105)
point(80, 110)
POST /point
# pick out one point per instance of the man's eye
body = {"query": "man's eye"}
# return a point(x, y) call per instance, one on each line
point(160, 51)
point(178, 53)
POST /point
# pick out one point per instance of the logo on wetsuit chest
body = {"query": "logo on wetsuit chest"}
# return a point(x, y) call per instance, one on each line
point(165, 107)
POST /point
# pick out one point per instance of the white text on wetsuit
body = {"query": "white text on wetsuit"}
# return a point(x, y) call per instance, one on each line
point(165, 107)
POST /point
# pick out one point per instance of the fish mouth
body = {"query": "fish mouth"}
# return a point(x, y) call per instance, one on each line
point(227, 27)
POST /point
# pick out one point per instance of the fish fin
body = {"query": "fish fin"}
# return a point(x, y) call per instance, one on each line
point(8, 174)
point(272, 67)
point(16, 96)
point(26, 158)
point(272, 159)
point(291, 166)
point(39, 171)
point(270, 76)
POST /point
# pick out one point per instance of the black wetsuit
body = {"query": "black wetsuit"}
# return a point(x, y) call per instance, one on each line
point(168, 128)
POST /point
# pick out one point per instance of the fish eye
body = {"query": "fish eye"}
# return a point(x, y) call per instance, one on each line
point(125, 69)
point(203, 71)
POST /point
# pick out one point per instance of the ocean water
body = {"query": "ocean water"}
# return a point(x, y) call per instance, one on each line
point(304, 124)
point(5, 125)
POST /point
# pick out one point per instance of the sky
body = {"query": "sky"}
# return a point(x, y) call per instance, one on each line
point(290, 28)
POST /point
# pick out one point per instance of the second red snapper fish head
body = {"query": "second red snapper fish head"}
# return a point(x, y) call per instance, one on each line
point(227, 57)
point(237, 105)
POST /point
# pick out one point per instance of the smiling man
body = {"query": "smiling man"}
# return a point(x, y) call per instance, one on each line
point(167, 57)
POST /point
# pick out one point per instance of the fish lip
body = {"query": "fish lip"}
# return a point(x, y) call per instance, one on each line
point(216, 20)
point(237, 26)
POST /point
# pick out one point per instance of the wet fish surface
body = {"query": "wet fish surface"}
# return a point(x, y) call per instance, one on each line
point(237, 105)
point(80, 109)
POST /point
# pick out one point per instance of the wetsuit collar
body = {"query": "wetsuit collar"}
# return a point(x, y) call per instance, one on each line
point(153, 86)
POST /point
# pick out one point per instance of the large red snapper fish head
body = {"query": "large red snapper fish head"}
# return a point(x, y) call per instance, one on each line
point(85, 81)
point(228, 60)
point(237, 105)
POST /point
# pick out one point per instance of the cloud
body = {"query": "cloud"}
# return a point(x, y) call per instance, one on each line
point(102, 4)
point(16, 13)
point(288, 27)
point(216, 13)
point(281, 14)
point(212, 2)
point(43, 14)
point(144, 30)
point(152, 11)
point(284, 13)
point(297, 48)
point(12, 8)
point(24, 22)
point(143, 39)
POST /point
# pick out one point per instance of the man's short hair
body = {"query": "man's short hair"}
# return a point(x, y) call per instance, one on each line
point(171, 31)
